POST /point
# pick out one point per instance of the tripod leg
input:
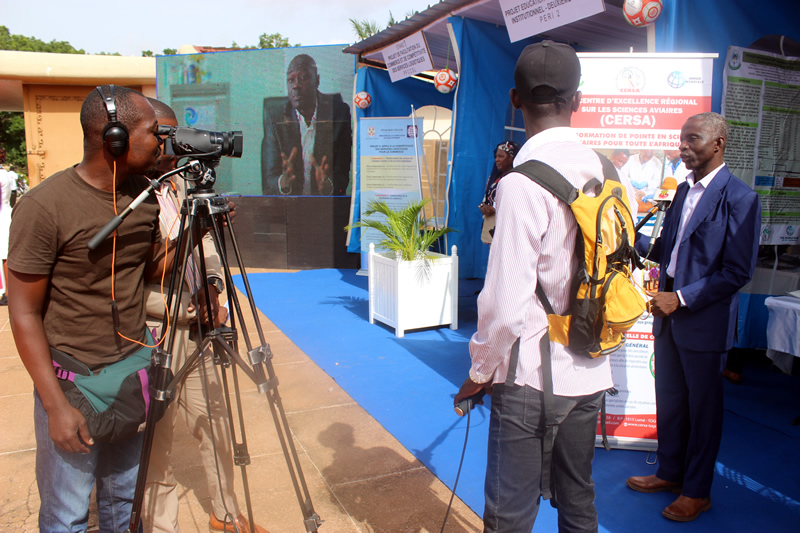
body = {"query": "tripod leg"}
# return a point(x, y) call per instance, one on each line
point(160, 399)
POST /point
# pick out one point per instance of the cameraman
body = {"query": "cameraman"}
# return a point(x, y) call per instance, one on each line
point(61, 294)
point(160, 512)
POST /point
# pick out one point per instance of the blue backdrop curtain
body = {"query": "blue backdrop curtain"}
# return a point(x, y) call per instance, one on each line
point(482, 108)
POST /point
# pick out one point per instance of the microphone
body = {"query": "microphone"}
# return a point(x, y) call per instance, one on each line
point(664, 197)
point(467, 404)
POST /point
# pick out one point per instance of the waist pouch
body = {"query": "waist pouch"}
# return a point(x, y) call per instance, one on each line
point(115, 402)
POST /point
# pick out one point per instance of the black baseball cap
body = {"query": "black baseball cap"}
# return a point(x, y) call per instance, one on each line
point(549, 64)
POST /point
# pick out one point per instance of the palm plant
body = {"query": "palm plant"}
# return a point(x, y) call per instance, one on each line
point(405, 230)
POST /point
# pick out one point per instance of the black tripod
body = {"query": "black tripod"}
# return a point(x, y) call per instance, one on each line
point(205, 211)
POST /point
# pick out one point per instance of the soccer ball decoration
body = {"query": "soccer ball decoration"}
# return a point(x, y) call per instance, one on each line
point(641, 12)
point(445, 80)
point(362, 100)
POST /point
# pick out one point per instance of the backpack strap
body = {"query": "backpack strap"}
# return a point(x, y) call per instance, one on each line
point(609, 170)
point(550, 179)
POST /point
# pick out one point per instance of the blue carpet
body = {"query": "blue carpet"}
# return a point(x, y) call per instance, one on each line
point(407, 385)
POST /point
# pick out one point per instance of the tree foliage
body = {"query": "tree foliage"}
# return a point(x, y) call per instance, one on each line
point(271, 40)
point(274, 40)
point(364, 29)
point(9, 41)
point(12, 138)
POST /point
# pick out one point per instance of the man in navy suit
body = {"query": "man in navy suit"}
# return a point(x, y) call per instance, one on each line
point(707, 251)
point(307, 139)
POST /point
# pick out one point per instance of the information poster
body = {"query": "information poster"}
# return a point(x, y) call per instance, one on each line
point(631, 413)
point(761, 102)
point(632, 109)
point(391, 155)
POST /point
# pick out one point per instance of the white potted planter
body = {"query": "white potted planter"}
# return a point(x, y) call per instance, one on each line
point(413, 294)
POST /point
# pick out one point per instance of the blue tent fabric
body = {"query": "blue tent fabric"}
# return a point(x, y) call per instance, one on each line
point(487, 74)
point(689, 26)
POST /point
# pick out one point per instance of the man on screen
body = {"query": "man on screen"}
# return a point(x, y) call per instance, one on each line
point(307, 138)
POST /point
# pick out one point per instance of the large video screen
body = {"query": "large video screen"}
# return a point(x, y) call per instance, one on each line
point(292, 105)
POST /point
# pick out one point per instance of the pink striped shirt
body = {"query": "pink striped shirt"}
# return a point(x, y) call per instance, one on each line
point(534, 241)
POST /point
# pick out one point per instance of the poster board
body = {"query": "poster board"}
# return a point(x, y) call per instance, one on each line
point(761, 102)
point(390, 162)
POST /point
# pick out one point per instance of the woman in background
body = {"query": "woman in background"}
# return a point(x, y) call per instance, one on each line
point(503, 163)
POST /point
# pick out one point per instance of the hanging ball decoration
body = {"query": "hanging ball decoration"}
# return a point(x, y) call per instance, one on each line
point(445, 80)
point(362, 100)
point(641, 12)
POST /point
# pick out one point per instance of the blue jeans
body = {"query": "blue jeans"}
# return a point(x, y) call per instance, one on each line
point(514, 464)
point(65, 481)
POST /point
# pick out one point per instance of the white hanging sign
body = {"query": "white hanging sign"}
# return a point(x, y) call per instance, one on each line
point(407, 57)
point(525, 18)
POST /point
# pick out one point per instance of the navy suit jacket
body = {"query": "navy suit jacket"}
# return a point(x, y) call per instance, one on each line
point(333, 140)
point(717, 257)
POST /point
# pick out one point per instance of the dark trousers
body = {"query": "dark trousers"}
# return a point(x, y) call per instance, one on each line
point(689, 413)
point(514, 465)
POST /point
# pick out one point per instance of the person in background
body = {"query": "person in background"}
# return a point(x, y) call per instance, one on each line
point(619, 157)
point(644, 171)
point(8, 196)
point(707, 251)
point(504, 155)
point(160, 511)
point(674, 167)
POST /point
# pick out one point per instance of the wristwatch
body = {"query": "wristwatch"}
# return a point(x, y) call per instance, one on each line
point(216, 282)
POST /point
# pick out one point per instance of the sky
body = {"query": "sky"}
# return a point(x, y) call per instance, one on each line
point(105, 26)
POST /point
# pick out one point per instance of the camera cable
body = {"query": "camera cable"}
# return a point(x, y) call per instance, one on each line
point(463, 407)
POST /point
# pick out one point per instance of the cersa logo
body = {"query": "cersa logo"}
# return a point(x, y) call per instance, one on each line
point(630, 80)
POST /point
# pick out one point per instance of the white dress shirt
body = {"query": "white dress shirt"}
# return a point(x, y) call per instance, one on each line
point(308, 134)
point(693, 197)
point(534, 242)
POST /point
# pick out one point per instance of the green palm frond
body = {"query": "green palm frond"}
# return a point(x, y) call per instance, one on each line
point(405, 230)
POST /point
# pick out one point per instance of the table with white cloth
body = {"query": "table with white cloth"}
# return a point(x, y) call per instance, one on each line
point(783, 331)
point(753, 315)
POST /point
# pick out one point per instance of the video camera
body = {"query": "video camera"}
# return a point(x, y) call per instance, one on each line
point(201, 144)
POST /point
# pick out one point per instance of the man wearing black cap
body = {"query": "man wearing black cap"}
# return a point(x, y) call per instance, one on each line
point(533, 243)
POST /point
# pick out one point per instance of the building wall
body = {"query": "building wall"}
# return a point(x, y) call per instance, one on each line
point(52, 126)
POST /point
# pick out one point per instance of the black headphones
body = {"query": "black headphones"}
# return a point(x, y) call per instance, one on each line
point(115, 134)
